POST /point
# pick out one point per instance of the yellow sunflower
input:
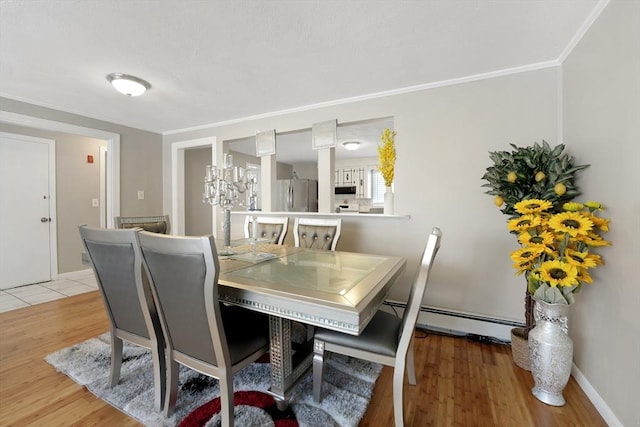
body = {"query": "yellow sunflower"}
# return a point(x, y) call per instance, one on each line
point(581, 259)
point(526, 255)
point(593, 239)
point(558, 273)
point(573, 206)
point(543, 239)
point(571, 222)
point(524, 222)
point(532, 206)
point(584, 276)
point(594, 206)
point(523, 267)
point(601, 223)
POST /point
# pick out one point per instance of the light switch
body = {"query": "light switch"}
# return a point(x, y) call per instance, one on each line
point(140, 195)
point(95, 203)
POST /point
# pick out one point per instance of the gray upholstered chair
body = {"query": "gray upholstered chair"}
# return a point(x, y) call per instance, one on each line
point(387, 339)
point(200, 333)
point(269, 227)
point(317, 233)
point(154, 224)
point(115, 258)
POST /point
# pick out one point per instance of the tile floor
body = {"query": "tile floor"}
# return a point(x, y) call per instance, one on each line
point(66, 285)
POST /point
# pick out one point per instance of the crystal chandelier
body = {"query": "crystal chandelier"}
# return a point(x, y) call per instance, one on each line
point(228, 186)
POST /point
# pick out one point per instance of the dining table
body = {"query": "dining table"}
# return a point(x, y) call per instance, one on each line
point(335, 290)
point(328, 289)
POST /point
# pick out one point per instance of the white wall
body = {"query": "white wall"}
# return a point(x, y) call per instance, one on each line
point(443, 139)
point(601, 97)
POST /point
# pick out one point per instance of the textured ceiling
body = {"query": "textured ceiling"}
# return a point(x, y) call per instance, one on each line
point(216, 61)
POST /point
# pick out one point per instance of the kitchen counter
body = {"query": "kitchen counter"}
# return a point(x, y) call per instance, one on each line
point(326, 215)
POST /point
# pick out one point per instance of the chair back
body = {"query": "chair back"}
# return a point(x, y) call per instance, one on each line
point(183, 272)
point(316, 233)
point(116, 262)
point(412, 310)
point(268, 227)
point(154, 224)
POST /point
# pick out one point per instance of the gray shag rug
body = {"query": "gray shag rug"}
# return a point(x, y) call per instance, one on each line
point(347, 387)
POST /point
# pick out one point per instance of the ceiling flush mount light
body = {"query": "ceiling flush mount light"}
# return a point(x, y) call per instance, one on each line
point(128, 85)
point(351, 145)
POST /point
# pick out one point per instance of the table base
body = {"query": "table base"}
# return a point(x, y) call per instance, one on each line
point(287, 367)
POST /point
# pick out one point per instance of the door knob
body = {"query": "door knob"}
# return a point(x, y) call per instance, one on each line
point(43, 219)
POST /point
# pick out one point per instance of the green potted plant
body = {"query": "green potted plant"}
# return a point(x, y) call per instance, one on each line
point(534, 172)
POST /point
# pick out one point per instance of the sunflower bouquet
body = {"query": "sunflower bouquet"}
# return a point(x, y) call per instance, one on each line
point(558, 249)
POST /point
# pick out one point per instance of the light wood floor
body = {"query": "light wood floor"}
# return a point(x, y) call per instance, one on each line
point(460, 383)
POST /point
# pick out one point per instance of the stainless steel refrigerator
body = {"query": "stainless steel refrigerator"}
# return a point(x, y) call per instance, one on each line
point(296, 195)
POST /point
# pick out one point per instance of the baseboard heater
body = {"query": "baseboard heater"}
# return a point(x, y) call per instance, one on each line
point(434, 310)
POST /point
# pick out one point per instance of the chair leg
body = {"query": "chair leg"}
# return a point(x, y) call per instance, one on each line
point(159, 377)
point(411, 366)
point(172, 385)
point(226, 400)
point(318, 369)
point(398, 403)
point(116, 359)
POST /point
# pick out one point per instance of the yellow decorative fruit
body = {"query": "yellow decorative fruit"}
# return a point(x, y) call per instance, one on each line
point(540, 176)
point(498, 201)
point(512, 177)
point(560, 189)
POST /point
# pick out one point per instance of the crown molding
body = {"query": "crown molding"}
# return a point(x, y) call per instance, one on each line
point(595, 14)
point(400, 91)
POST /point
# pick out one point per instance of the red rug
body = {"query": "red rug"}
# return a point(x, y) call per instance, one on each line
point(200, 416)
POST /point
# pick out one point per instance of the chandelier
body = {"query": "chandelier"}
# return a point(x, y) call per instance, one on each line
point(228, 186)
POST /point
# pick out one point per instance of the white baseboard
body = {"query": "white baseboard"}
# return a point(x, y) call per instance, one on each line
point(599, 403)
point(75, 274)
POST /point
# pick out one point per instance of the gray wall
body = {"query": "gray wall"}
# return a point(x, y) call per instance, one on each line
point(140, 169)
point(77, 182)
point(197, 214)
point(601, 96)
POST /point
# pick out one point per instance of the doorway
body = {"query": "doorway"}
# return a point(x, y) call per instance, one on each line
point(177, 182)
point(112, 163)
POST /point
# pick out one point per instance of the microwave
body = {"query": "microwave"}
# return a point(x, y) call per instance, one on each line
point(350, 189)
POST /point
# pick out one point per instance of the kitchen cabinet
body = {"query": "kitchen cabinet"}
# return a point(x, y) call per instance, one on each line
point(353, 176)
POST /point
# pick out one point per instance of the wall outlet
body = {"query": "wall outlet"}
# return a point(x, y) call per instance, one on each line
point(140, 195)
point(95, 203)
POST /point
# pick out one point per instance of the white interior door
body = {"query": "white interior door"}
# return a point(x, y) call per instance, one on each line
point(25, 217)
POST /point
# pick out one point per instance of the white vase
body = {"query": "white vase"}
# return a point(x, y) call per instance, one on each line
point(388, 201)
point(551, 352)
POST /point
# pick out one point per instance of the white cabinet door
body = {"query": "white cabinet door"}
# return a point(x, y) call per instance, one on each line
point(360, 180)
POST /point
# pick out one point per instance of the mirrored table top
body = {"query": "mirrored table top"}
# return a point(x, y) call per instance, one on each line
point(339, 290)
point(326, 271)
